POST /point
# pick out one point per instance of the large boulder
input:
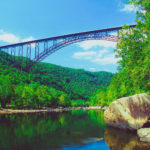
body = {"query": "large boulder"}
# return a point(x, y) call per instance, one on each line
point(144, 134)
point(129, 112)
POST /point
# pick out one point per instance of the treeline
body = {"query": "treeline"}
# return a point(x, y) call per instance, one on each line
point(47, 85)
point(134, 67)
point(77, 83)
point(15, 92)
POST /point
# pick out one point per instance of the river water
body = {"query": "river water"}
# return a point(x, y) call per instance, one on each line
point(72, 130)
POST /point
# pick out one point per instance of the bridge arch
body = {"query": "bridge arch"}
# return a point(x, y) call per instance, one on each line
point(46, 52)
point(38, 50)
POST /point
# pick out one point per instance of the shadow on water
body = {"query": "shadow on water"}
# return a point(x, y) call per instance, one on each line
point(118, 139)
point(48, 131)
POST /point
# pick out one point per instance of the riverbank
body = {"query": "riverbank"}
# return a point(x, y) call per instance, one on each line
point(58, 109)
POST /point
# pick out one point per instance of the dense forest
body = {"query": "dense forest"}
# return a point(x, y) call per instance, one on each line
point(47, 84)
point(77, 83)
point(133, 48)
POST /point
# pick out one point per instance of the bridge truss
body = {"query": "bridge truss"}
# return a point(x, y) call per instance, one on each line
point(37, 50)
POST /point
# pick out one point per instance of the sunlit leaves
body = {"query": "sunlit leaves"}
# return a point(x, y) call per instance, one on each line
point(134, 50)
point(6, 90)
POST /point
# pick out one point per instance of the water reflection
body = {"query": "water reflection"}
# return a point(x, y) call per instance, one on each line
point(118, 139)
point(47, 131)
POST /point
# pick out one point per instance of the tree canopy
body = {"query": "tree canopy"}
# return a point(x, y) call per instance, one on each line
point(47, 85)
point(133, 48)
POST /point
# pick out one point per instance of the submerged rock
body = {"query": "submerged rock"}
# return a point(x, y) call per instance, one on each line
point(129, 112)
point(144, 134)
point(118, 139)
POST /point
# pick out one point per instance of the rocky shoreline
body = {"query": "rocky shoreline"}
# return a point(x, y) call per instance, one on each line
point(118, 139)
point(57, 109)
point(131, 113)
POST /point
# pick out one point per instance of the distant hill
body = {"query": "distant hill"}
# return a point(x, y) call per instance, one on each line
point(77, 83)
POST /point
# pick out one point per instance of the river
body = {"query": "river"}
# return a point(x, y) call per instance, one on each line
point(72, 130)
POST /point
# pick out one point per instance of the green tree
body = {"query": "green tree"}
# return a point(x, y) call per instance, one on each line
point(63, 100)
point(24, 96)
point(133, 48)
point(6, 90)
point(42, 95)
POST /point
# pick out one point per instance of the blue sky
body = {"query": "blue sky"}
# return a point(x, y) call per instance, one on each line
point(23, 20)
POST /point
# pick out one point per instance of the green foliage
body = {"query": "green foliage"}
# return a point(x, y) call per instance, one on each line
point(24, 95)
point(50, 85)
point(77, 83)
point(35, 95)
point(134, 67)
point(17, 89)
point(99, 98)
point(63, 100)
point(42, 95)
point(134, 49)
point(79, 102)
point(6, 90)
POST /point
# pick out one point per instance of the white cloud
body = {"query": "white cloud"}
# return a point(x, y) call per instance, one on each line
point(102, 52)
point(28, 39)
point(129, 8)
point(86, 45)
point(108, 59)
point(12, 38)
point(102, 57)
point(8, 37)
point(84, 55)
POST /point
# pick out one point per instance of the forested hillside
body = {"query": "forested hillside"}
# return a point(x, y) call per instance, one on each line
point(77, 83)
point(134, 67)
point(47, 84)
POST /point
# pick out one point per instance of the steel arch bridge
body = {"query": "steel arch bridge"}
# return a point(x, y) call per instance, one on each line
point(38, 50)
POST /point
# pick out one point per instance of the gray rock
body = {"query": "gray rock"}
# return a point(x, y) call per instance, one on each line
point(118, 139)
point(129, 112)
point(144, 134)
